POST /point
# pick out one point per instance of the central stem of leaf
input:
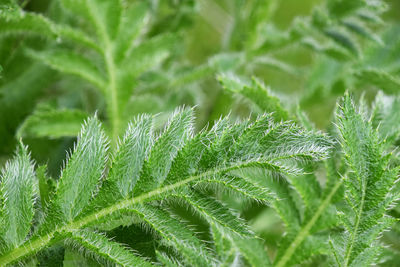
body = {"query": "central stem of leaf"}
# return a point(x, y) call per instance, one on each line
point(304, 232)
point(350, 245)
point(42, 241)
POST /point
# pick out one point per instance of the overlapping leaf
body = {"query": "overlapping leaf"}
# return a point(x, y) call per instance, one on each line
point(149, 168)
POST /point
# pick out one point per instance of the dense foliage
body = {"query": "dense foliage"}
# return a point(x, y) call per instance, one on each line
point(199, 133)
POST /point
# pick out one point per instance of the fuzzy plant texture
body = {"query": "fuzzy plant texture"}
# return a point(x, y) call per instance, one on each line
point(199, 133)
point(137, 184)
point(152, 172)
point(124, 57)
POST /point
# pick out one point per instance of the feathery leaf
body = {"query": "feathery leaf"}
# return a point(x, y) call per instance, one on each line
point(82, 173)
point(147, 172)
point(368, 187)
point(103, 248)
point(18, 190)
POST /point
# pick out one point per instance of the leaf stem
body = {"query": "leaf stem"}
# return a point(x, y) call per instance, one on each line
point(349, 248)
point(112, 88)
point(26, 249)
point(304, 232)
point(40, 242)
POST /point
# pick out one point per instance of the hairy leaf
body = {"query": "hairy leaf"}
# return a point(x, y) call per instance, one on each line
point(257, 93)
point(103, 248)
point(18, 189)
point(83, 170)
point(368, 189)
point(87, 196)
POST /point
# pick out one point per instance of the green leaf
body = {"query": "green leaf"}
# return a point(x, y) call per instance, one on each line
point(165, 260)
point(52, 123)
point(83, 171)
point(75, 35)
point(343, 39)
point(252, 250)
point(103, 248)
point(177, 131)
point(249, 248)
point(14, 95)
point(310, 247)
point(275, 64)
point(74, 209)
point(332, 49)
point(21, 22)
point(71, 63)
point(18, 189)
point(279, 190)
point(133, 23)
point(17, 21)
point(175, 234)
point(362, 30)
point(189, 159)
point(46, 186)
point(74, 259)
point(216, 213)
point(341, 8)
point(367, 187)
point(381, 79)
point(257, 93)
point(106, 16)
point(130, 155)
point(244, 188)
point(299, 244)
point(148, 54)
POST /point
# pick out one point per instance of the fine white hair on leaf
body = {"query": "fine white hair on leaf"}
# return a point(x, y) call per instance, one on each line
point(148, 176)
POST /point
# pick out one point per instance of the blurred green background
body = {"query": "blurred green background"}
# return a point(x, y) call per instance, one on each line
point(212, 37)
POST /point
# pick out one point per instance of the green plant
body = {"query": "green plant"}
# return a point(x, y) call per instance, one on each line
point(291, 177)
point(118, 47)
point(110, 45)
point(150, 173)
point(360, 184)
point(130, 53)
point(147, 173)
point(369, 192)
point(109, 36)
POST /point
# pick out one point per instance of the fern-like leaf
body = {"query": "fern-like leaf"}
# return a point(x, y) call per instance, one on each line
point(87, 197)
point(48, 122)
point(71, 63)
point(231, 249)
point(368, 187)
point(18, 190)
point(106, 52)
point(257, 93)
point(175, 234)
point(80, 178)
point(103, 248)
